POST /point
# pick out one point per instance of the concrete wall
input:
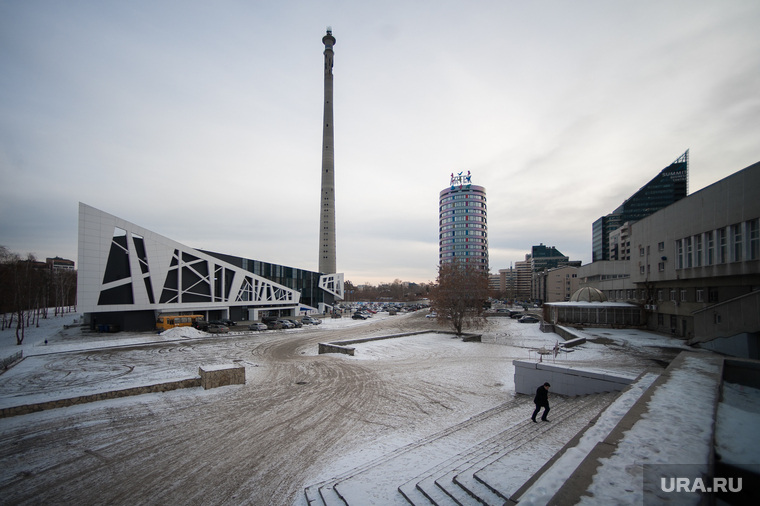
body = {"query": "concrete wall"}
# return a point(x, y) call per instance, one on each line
point(214, 376)
point(114, 394)
point(565, 380)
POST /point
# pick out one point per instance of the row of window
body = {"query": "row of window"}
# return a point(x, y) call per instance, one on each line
point(462, 204)
point(463, 218)
point(462, 240)
point(468, 225)
point(462, 196)
point(464, 210)
point(735, 243)
point(673, 295)
point(468, 246)
point(462, 233)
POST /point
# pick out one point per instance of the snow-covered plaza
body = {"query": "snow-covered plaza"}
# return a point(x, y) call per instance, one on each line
point(300, 420)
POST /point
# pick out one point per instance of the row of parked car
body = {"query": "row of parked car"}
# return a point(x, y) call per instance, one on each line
point(284, 323)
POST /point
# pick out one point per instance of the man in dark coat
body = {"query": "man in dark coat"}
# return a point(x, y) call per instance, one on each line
point(542, 401)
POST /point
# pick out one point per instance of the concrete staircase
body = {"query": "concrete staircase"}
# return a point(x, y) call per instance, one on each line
point(469, 463)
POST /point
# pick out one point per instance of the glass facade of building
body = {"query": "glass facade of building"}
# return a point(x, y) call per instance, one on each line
point(463, 225)
point(669, 186)
point(305, 282)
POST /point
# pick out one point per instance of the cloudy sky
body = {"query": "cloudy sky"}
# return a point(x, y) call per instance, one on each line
point(202, 121)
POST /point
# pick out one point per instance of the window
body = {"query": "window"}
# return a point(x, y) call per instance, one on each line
point(697, 251)
point(722, 245)
point(753, 227)
point(660, 319)
point(710, 240)
point(736, 241)
point(641, 251)
point(679, 254)
point(688, 245)
point(712, 295)
point(672, 295)
point(659, 295)
point(641, 269)
point(661, 266)
point(700, 295)
point(683, 295)
point(716, 318)
point(660, 246)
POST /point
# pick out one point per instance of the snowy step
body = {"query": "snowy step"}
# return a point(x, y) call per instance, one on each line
point(501, 475)
point(377, 481)
point(551, 479)
point(460, 483)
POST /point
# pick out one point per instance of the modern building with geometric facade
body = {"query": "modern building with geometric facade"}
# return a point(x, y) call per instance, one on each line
point(129, 275)
point(669, 186)
point(463, 223)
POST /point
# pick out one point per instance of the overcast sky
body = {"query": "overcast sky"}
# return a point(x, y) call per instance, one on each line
point(202, 121)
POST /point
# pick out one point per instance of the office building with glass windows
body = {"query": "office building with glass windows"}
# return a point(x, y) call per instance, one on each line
point(463, 223)
point(669, 186)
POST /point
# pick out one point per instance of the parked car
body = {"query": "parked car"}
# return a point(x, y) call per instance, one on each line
point(295, 323)
point(214, 328)
point(432, 315)
point(360, 316)
point(516, 316)
point(258, 326)
point(274, 325)
point(528, 319)
point(228, 323)
point(286, 324)
point(308, 320)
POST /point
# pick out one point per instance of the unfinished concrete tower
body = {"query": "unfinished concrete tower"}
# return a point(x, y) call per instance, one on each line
point(327, 200)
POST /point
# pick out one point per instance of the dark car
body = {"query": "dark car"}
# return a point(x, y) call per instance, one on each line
point(360, 316)
point(528, 319)
point(295, 323)
point(273, 325)
point(228, 323)
point(286, 324)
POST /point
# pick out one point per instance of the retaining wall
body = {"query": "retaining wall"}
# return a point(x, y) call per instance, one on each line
point(566, 380)
point(62, 403)
point(341, 346)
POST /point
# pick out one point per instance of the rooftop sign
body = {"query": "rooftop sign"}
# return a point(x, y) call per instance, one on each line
point(460, 180)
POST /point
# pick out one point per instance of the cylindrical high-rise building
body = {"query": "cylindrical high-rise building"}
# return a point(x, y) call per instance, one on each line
point(462, 223)
point(327, 263)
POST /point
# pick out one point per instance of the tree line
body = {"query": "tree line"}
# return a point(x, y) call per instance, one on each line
point(29, 289)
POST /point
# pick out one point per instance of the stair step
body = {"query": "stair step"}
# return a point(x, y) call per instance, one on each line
point(380, 478)
point(460, 482)
point(545, 485)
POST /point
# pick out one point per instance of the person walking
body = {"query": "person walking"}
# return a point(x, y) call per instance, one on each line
point(542, 401)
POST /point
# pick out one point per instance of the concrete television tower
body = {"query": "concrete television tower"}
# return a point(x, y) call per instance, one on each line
point(327, 200)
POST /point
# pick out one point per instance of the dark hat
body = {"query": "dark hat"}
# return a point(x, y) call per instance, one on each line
point(547, 385)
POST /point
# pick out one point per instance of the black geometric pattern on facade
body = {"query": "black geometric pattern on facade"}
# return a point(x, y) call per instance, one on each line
point(117, 295)
point(117, 266)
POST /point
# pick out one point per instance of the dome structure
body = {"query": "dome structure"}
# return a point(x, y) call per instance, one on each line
point(588, 294)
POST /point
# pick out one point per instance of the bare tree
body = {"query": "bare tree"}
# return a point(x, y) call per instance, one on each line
point(460, 295)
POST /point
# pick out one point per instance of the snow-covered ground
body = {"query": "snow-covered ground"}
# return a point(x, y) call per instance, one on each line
point(300, 418)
